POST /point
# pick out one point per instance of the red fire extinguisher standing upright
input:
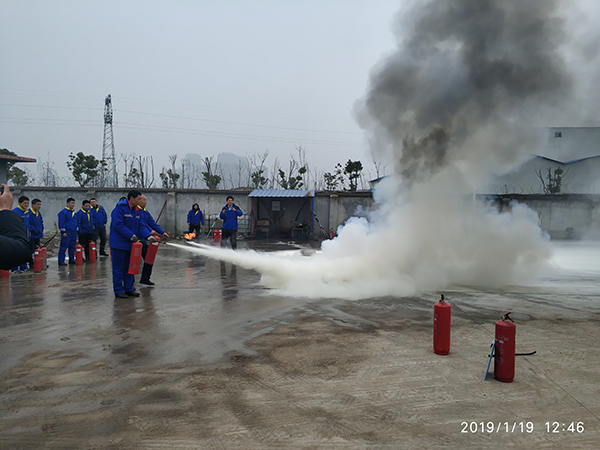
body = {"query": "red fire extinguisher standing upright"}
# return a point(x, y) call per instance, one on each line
point(441, 327)
point(38, 260)
point(92, 245)
point(79, 255)
point(45, 258)
point(135, 258)
point(504, 354)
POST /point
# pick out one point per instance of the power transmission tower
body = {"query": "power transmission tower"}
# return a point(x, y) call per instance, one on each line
point(109, 175)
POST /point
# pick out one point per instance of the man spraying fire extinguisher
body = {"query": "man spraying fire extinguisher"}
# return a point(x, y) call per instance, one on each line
point(126, 227)
point(154, 229)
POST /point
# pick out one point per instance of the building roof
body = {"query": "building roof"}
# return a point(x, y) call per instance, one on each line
point(567, 162)
point(281, 193)
point(17, 158)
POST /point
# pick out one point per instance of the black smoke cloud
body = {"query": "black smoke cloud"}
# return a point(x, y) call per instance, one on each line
point(470, 81)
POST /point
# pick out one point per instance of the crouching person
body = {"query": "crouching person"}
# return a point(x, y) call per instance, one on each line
point(126, 227)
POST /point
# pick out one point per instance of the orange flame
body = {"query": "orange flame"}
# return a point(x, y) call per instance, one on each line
point(189, 236)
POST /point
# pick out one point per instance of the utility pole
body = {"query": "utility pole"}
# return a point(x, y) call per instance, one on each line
point(109, 174)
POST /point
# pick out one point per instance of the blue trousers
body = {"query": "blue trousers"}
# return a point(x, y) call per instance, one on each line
point(122, 281)
point(69, 243)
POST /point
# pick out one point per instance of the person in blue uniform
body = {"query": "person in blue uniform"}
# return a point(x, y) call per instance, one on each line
point(99, 219)
point(195, 218)
point(229, 215)
point(22, 210)
point(67, 224)
point(126, 227)
point(36, 224)
point(85, 228)
point(155, 230)
point(14, 249)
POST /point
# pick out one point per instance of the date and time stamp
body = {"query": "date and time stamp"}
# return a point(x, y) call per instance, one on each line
point(522, 427)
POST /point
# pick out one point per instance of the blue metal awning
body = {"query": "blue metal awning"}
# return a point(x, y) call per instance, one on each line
point(289, 193)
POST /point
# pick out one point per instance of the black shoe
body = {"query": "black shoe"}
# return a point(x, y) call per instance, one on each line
point(71, 263)
point(122, 295)
point(103, 254)
point(148, 282)
point(133, 294)
point(61, 264)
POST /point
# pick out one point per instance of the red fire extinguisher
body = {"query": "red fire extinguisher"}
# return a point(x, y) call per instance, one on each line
point(44, 252)
point(4, 273)
point(441, 327)
point(78, 255)
point(38, 260)
point(152, 249)
point(92, 251)
point(135, 258)
point(217, 236)
point(504, 355)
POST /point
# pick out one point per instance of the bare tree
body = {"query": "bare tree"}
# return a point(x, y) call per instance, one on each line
point(243, 180)
point(294, 177)
point(257, 169)
point(274, 174)
point(146, 169)
point(128, 177)
point(303, 163)
point(47, 176)
point(379, 168)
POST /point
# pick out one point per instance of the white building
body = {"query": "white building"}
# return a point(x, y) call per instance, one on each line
point(575, 150)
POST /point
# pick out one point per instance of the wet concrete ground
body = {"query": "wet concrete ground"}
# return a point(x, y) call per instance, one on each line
point(208, 359)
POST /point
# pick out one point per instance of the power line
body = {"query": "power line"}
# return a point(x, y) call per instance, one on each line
point(230, 135)
point(223, 122)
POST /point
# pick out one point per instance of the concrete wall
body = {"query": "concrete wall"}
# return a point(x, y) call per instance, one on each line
point(571, 216)
point(575, 216)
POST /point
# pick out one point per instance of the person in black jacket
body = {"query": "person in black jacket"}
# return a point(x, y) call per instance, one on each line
point(14, 248)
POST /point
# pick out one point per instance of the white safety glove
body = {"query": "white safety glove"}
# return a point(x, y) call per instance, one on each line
point(134, 238)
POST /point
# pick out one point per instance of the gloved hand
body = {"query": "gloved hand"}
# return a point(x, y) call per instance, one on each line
point(151, 239)
point(134, 238)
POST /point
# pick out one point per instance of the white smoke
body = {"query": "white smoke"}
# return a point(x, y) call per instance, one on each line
point(409, 245)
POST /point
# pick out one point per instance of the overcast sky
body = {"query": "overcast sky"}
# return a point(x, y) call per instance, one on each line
point(189, 76)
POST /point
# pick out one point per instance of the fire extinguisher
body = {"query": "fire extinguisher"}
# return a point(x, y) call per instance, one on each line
point(217, 236)
point(152, 249)
point(135, 258)
point(44, 253)
point(78, 255)
point(504, 355)
point(441, 327)
point(38, 260)
point(92, 251)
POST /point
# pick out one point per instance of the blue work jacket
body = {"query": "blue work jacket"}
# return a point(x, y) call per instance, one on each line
point(67, 222)
point(98, 215)
point(36, 224)
point(195, 217)
point(229, 217)
point(126, 222)
point(150, 222)
point(84, 221)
